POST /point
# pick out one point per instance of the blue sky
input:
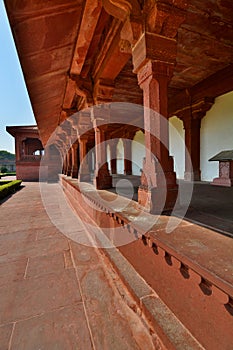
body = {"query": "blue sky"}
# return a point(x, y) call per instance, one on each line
point(14, 101)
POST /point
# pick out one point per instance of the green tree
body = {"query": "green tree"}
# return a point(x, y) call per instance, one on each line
point(6, 155)
point(3, 170)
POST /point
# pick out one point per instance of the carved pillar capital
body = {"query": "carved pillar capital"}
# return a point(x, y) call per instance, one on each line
point(156, 70)
point(100, 115)
point(202, 106)
point(196, 110)
point(84, 90)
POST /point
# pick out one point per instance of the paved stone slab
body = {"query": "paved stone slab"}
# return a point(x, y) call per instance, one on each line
point(18, 236)
point(40, 287)
point(43, 265)
point(84, 254)
point(5, 334)
point(45, 232)
point(64, 329)
point(16, 250)
point(12, 271)
point(30, 297)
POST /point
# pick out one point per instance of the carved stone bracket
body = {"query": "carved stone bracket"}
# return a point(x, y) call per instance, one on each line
point(121, 9)
point(196, 110)
point(103, 91)
point(165, 17)
point(84, 89)
point(155, 48)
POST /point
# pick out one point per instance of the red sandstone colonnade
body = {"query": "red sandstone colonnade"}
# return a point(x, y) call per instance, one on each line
point(130, 51)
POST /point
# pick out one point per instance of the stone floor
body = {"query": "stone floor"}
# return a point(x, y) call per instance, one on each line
point(209, 206)
point(212, 206)
point(57, 294)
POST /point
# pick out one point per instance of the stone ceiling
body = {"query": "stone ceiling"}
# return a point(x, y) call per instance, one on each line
point(46, 34)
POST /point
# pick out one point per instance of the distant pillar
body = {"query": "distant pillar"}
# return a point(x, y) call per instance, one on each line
point(103, 179)
point(84, 173)
point(192, 149)
point(113, 150)
point(127, 156)
point(191, 118)
point(69, 162)
point(64, 164)
point(74, 171)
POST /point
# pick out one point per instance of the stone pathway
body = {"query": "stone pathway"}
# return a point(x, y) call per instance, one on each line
point(57, 294)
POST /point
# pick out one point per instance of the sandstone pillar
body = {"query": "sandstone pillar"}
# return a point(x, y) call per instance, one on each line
point(84, 174)
point(74, 170)
point(191, 118)
point(113, 149)
point(69, 162)
point(103, 91)
point(64, 164)
point(102, 179)
point(158, 181)
point(18, 148)
point(153, 58)
point(127, 156)
point(192, 151)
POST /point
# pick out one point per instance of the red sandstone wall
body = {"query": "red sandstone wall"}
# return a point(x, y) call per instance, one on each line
point(28, 171)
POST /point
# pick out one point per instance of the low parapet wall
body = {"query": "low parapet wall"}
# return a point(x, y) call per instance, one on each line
point(190, 270)
point(28, 171)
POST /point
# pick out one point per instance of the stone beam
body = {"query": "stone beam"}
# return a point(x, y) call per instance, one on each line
point(69, 94)
point(90, 18)
point(113, 55)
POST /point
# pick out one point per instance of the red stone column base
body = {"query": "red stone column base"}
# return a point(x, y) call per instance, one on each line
point(84, 177)
point(157, 200)
point(103, 179)
point(102, 183)
point(74, 173)
point(221, 181)
point(68, 173)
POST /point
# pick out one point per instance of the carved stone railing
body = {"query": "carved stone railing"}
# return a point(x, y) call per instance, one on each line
point(207, 286)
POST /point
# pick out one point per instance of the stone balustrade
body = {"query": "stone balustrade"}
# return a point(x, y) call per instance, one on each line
point(194, 290)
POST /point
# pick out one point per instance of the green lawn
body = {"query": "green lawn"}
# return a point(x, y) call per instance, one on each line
point(7, 174)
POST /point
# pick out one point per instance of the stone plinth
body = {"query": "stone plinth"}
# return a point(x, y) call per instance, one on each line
point(225, 159)
point(225, 174)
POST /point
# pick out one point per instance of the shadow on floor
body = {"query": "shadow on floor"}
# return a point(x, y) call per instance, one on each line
point(210, 206)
